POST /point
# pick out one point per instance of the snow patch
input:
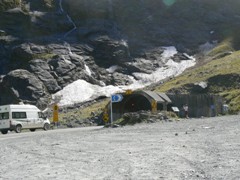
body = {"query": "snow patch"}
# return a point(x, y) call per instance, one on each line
point(82, 91)
point(88, 70)
point(202, 84)
point(170, 69)
point(169, 52)
point(112, 69)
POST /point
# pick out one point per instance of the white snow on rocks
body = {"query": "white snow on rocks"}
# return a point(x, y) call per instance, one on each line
point(88, 70)
point(112, 69)
point(82, 91)
point(169, 52)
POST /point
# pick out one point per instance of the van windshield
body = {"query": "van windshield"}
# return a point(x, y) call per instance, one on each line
point(4, 115)
point(41, 115)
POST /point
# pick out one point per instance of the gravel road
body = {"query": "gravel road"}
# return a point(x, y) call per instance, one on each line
point(206, 148)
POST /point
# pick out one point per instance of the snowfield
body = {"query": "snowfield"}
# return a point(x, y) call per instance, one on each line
point(186, 149)
point(82, 91)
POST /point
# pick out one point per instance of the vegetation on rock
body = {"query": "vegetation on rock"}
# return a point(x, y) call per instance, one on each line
point(8, 4)
point(222, 76)
point(81, 114)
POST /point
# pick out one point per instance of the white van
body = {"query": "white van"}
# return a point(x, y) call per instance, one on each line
point(18, 117)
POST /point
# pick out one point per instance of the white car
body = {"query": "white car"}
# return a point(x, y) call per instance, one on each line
point(17, 117)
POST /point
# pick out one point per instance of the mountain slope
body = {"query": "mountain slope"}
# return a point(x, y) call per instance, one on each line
point(219, 76)
point(46, 45)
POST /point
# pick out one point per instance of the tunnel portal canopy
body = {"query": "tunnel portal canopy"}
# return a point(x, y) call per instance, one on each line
point(140, 100)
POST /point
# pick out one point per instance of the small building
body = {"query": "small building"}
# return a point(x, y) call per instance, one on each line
point(140, 100)
point(200, 105)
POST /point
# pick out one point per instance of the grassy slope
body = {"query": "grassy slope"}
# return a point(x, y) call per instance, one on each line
point(227, 65)
point(82, 113)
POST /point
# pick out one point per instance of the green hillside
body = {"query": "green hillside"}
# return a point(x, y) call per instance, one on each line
point(221, 74)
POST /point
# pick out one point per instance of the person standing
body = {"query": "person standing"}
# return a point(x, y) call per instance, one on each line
point(213, 112)
point(185, 108)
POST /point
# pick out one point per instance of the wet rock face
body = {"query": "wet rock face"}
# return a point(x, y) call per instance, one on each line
point(42, 70)
point(46, 69)
point(25, 87)
point(55, 44)
point(27, 51)
point(108, 42)
point(33, 18)
point(109, 51)
point(15, 22)
point(48, 23)
point(5, 5)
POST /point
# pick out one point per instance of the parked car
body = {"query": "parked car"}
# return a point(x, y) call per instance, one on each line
point(20, 116)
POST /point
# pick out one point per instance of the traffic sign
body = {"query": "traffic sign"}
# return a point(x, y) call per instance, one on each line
point(116, 98)
point(128, 92)
point(55, 113)
point(105, 117)
point(154, 106)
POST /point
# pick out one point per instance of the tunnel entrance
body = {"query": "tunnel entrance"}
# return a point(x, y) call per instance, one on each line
point(199, 105)
point(136, 103)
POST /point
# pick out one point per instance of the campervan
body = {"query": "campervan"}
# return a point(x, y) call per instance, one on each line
point(17, 117)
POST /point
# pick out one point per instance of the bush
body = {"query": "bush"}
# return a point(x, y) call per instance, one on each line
point(9, 4)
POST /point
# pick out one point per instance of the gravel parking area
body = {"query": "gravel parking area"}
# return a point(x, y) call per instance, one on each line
point(207, 148)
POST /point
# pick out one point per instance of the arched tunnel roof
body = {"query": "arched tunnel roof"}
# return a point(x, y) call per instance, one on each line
point(139, 100)
point(165, 97)
point(158, 97)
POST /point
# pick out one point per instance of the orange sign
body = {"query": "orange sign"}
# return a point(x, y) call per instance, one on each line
point(129, 91)
point(154, 106)
point(105, 117)
point(55, 113)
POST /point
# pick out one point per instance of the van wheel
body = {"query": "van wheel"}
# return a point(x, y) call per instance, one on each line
point(46, 126)
point(32, 130)
point(4, 131)
point(18, 128)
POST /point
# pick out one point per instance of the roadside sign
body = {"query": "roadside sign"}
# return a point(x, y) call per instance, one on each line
point(105, 117)
point(116, 98)
point(175, 109)
point(55, 113)
point(154, 106)
point(128, 92)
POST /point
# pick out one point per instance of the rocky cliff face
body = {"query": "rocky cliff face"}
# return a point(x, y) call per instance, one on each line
point(47, 44)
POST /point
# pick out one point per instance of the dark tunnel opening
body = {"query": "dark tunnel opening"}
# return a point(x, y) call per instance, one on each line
point(137, 103)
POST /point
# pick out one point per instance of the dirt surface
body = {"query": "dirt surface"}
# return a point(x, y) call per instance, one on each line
point(186, 149)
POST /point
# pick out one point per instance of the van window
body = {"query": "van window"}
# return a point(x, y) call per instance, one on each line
point(19, 115)
point(4, 115)
point(41, 115)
